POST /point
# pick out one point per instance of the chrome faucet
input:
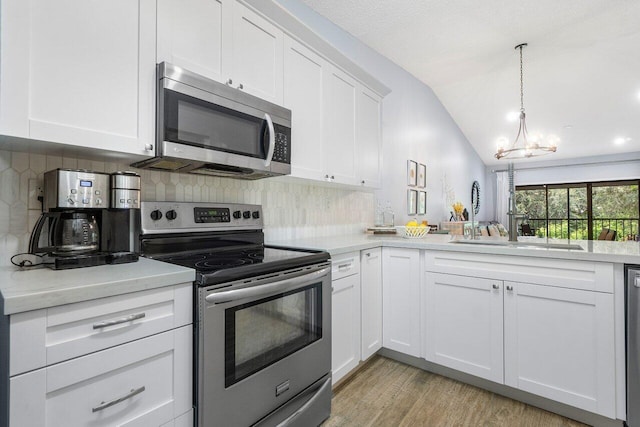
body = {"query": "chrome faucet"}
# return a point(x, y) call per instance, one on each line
point(513, 214)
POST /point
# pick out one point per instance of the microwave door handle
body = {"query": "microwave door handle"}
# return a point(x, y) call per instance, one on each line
point(272, 139)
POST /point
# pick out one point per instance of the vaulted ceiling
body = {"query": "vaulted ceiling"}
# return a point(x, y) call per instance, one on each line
point(581, 66)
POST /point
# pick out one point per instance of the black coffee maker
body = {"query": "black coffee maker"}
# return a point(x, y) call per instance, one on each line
point(81, 224)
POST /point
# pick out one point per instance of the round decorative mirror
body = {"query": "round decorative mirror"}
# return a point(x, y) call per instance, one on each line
point(475, 197)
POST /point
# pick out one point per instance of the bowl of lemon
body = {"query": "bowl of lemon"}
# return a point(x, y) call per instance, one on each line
point(413, 230)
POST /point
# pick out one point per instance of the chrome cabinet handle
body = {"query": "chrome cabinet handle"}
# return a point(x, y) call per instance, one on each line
point(240, 86)
point(105, 405)
point(272, 139)
point(636, 282)
point(118, 321)
point(362, 182)
point(509, 288)
point(494, 286)
point(229, 82)
point(333, 177)
point(148, 147)
point(368, 254)
point(343, 267)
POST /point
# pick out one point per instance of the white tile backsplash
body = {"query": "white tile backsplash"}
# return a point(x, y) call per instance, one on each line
point(292, 208)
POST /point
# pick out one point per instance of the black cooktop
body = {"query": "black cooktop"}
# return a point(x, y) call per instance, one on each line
point(219, 266)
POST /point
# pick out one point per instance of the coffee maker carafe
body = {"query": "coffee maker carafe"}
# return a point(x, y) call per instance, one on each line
point(70, 233)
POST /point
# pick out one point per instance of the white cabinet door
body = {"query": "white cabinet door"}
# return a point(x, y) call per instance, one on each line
point(368, 140)
point(401, 300)
point(371, 301)
point(194, 34)
point(559, 345)
point(257, 54)
point(339, 100)
point(303, 96)
point(345, 326)
point(79, 73)
point(464, 324)
point(142, 383)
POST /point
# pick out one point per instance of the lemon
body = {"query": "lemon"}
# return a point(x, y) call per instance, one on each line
point(412, 223)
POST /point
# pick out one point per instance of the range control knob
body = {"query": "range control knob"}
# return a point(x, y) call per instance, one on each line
point(246, 214)
point(156, 215)
point(171, 215)
point(256, 214)
point(237, 214)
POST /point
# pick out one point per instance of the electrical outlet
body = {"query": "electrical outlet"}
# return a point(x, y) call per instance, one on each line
point(35, 190)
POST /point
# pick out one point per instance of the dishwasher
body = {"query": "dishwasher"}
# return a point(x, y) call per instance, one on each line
point(632, 274)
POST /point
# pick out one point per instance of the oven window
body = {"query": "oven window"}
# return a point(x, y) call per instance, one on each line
point(192, 121)
point(260, 333)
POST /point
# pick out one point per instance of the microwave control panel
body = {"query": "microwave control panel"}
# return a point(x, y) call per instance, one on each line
point(282, 149)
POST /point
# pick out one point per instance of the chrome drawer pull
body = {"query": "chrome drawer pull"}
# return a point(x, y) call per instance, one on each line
point(105, 405)
point(118, 321)
point(344, 266)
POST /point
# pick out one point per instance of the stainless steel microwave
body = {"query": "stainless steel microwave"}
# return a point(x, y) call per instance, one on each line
point(206, 127)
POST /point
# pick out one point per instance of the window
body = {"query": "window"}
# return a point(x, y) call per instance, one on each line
point(581, 210)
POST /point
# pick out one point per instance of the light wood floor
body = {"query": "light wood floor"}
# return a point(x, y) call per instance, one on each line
point(388, 393)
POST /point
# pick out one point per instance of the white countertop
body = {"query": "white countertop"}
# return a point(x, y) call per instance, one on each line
point(32, 289)
point(593, 250)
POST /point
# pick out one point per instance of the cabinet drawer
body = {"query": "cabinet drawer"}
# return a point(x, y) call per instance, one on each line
point(48, 336)
point(143, 383)
point(345, 265)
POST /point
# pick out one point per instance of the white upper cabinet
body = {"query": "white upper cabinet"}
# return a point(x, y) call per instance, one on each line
point(194, 33)
point(303, 78)
point(368, 140)
point(79, 73)
point(224, 41)
point(339, 133)
point(256, 55)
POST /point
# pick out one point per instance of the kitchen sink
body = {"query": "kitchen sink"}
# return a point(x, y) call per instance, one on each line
point(527, 245)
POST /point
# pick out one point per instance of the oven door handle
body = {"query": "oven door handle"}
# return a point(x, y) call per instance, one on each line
point(266, 289)
point(287, 421)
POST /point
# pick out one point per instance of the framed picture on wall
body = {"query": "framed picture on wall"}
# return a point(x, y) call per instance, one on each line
point(422, 202)
point(412, 202)
point(422, 175)
point(412, 173)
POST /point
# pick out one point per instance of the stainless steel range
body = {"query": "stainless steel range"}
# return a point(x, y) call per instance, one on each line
point(262, 349)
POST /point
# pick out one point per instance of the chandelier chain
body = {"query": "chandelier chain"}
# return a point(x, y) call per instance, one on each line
point(521, 82)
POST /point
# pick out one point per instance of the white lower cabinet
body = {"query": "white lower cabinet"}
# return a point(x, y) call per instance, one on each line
point(142, 383)
point(464, 324)
point(371, 301)
point(552, 341)
point(401, 300)
point(123, 360)
point(559, 344)
point(345, 315)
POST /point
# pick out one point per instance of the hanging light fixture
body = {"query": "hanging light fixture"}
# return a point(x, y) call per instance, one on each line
point(530, 146)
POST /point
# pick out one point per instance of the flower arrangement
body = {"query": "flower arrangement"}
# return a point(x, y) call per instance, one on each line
point(457, 210)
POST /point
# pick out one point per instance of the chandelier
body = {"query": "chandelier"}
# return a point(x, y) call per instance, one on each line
point(529, 146)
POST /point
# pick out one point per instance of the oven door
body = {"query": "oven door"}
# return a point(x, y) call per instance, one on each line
point(262, 343)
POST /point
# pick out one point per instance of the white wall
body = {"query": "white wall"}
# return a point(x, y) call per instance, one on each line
point(415, 126)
